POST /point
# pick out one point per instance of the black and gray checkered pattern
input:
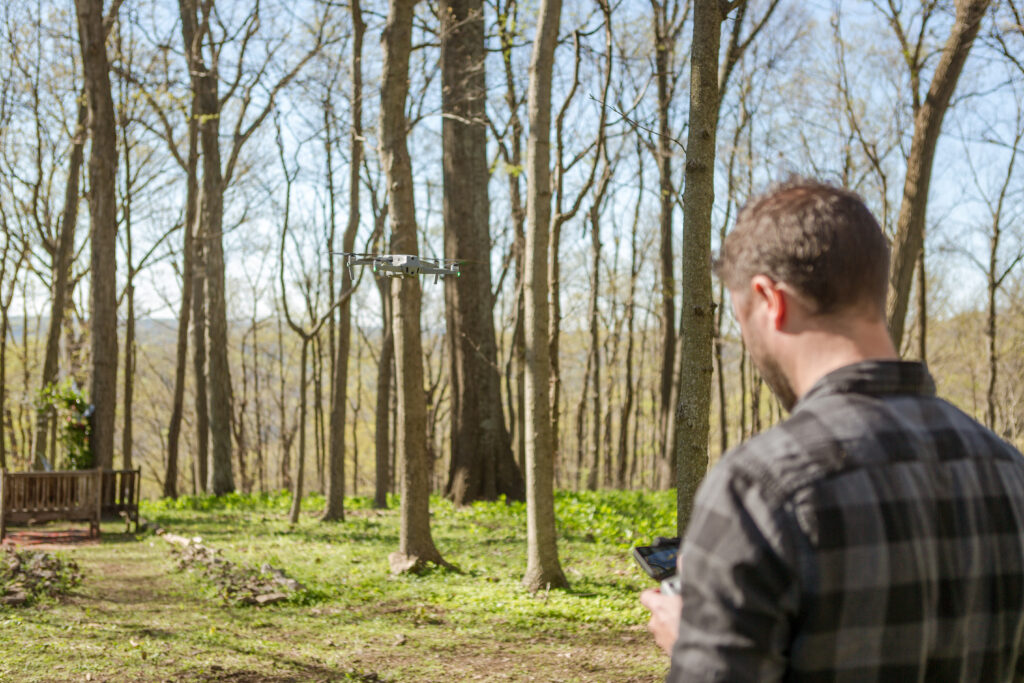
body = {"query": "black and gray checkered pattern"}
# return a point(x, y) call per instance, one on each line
point(876, 535)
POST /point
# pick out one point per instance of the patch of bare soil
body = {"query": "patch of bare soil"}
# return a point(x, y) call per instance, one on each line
point(50, 539)
point(592, 657)
point(217, 675)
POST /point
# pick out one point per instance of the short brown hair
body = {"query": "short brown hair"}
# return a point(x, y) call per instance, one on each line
point(820, 239)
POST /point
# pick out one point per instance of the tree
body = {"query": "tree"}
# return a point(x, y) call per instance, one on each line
point(669, 20)
point(928, 115)
point(708, 80)
point(205, 75)
point(415, 544)
point(103, 227)
point(189, 228)
point(542, 568)
point(335, 504)
point(308, 335)
point(511, 149)
point(482, 466)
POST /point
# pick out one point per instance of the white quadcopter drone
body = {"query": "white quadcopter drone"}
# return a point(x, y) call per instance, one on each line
point(403, 265)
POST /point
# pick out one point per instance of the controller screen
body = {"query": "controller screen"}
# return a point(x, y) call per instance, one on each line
point(664, 558)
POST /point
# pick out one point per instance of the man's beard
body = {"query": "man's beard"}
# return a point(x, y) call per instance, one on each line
point(775, 379)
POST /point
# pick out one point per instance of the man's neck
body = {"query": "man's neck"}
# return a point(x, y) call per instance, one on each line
point(818, 352)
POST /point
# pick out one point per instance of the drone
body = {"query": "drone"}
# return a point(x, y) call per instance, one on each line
point(403, 265)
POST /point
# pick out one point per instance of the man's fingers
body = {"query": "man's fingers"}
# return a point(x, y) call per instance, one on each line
point(665, 611)
point(650, 598)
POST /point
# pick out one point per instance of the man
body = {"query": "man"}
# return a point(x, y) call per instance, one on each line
point(877, 533)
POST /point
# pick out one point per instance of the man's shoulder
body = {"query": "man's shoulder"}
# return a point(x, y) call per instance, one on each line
point(844, 431)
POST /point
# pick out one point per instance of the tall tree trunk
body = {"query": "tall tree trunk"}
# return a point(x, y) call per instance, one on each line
point(60, 294)
point(664, 50)
point(319, 433)
point(692, 419)
point(221, 479)
point(382, 421)
point(356, 406)
point(5, 307)
point(192, 36)
point(543, 568)
point(595, 351)
point(927, 126)
point(202, 455)
point(261, 465)
point(507, 27)
point(482, 466)
point(103, 228)
point(627, 402)
point(300, 457)
point(204, 85)
point(284, 474)
point(128, 378)
point(416, 546)
point(335, 504)
point(129, 371)
point(187, 276)
point(581, 422)
point(241, 436)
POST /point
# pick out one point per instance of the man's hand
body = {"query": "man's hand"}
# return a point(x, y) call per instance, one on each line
point(665, 613)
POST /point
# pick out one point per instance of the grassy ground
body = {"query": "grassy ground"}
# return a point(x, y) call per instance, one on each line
point(136, 617)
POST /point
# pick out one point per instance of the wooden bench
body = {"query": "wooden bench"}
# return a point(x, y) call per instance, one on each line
point(73, 496)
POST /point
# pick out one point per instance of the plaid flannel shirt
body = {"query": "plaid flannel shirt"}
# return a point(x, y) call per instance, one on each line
point(875, 535)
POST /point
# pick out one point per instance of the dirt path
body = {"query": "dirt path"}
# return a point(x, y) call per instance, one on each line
point(136, 617)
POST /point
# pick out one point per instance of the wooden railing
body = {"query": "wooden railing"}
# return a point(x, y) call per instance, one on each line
point(120, 495)
point(74, 496)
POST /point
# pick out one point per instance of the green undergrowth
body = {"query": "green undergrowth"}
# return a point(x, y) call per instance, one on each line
point(354, 620)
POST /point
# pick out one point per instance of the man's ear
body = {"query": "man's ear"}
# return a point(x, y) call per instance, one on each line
point(768, 294)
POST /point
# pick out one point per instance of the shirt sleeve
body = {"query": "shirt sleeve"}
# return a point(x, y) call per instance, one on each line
point(739, 587)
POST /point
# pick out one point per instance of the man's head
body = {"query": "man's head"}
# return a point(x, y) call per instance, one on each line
point(805, 262)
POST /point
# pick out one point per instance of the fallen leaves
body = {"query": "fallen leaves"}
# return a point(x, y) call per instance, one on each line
point(29, 574)
point(238, 584)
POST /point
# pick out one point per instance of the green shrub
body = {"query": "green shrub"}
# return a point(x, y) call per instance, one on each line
point(68, 404)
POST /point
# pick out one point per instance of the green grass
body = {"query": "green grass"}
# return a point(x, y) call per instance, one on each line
point(137, 618)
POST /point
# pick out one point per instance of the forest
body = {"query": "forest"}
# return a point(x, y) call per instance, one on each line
point(179, 183)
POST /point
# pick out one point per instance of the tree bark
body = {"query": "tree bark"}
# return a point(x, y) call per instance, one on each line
point(507, 27)
point(202, 454)
point(626, 408)
point(543, 568)
point(692, 418)
point(192, 36)
point(300, 465)
point(382, 420)
point(221, 479)
point(416, 546)
point(335, 504)
point(103, 228)
point(482, 466)
point(187, 275)
point(664, 52)
point(927, 126)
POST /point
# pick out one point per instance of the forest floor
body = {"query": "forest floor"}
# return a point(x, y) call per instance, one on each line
point(137, 616)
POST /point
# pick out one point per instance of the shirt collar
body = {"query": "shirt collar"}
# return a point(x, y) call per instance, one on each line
point(875, 378)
